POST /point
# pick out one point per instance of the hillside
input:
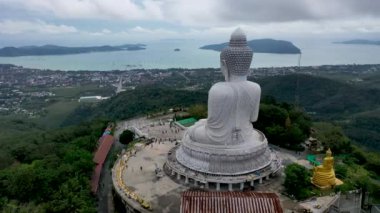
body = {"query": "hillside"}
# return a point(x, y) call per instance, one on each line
point(262, 46)
point(356, 108)
point(141, 101)
point(60, 50)
point(327, 98)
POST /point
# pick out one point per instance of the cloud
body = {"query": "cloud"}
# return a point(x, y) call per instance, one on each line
point(156, 31)
point(92, 9)
point(156, 19)
point(100, 33)
point(134, 34)
point(221, 13)
point(19, 27)
point(200, 12)
point(312, 28)
point(106, 31)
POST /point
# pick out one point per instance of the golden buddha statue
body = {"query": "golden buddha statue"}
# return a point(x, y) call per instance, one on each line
point(324, 175)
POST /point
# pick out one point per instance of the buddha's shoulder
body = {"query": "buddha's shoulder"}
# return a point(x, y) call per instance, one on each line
point(221, 88)
point(253, 85)
point(225, 86)
point(220, 85)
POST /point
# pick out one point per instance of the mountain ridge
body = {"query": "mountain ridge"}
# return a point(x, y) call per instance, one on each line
point(266, 45)
point(50, 49)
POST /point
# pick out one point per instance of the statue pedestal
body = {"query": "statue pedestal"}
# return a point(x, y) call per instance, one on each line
point(216, 167)
point(224, 160)
point(337, 182)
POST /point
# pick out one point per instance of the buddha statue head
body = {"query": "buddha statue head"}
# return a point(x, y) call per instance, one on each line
point(328, 153)
point(237, 57)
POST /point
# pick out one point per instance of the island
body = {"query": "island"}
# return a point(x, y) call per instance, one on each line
point(359, 41)
point(262, 46)
point(61, 50)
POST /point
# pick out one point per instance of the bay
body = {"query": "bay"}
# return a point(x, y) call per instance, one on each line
point(161, 55)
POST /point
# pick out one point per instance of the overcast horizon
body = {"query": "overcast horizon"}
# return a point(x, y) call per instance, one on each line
point(95, 22)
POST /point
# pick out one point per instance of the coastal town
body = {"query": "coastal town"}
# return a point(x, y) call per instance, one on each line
point(26, 91)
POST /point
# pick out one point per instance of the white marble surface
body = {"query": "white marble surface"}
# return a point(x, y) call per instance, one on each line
point(226, 142)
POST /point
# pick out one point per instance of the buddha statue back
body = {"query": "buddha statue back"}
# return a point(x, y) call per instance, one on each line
point(226, 142)
point(233, 104)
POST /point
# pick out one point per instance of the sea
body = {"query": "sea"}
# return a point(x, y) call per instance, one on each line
point(161, 55)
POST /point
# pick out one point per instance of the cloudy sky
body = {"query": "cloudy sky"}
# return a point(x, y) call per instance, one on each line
point(74, 22)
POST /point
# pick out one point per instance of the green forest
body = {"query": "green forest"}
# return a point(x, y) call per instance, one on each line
point(283, 124)
point(354, 107)
point(48, 169)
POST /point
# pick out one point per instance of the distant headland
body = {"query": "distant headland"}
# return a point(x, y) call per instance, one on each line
point(61, 50)
point(262, 46)
point(359, 41)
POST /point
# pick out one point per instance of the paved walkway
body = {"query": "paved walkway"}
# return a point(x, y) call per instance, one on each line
point(289, 156)
point(142, 176)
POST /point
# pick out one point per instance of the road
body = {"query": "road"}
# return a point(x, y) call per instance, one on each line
point(104, 195)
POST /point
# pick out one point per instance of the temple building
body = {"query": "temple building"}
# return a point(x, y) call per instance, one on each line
point(324, 175)
point(227, 202)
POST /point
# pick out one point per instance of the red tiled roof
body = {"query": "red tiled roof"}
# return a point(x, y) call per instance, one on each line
point(229, 202)
point(105, 145)
point(95, 178)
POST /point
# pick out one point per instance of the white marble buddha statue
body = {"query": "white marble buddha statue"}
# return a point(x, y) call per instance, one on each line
point(234, 104)
point(226, 143)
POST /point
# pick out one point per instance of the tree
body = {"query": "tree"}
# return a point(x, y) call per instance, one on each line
point(341, 170)
point(21, 182)
point(72, 196)
point(300, 118)
point(270, 115)
point(53, 171)
point(293, 137)
point(332, 137)
point(283, 124)
point(126, 137)
point(297, 181)
point(198, 111)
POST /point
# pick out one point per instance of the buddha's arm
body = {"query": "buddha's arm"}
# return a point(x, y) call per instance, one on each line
point(256, 104)
point(219, 105)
